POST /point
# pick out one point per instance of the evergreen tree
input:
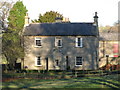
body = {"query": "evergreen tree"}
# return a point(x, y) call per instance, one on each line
point(17, 16)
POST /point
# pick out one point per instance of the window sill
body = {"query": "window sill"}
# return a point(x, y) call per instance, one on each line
point(56, 66)
point(38, 46)
point(38, 65)
point(59, 46)
point(78, 65)
point(79, 46)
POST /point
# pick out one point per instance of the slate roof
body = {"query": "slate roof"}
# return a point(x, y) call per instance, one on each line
point(108, 36)
point(60, 29)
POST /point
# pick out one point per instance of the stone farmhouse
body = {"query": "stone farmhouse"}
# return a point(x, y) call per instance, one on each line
point(61, 45)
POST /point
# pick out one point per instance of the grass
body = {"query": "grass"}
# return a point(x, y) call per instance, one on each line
point(108, 81)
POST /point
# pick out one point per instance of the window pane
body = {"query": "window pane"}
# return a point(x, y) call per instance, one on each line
point(59, 43)
point(78, 60)
point(38, 61)
point(38, 42)
point(78, 41)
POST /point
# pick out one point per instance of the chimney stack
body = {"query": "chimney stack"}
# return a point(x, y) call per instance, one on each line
point(96, 19)
point(26, 20)
point(58, 19)
point(66, 19)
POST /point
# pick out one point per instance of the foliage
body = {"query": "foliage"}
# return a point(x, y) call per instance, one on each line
point(16, 17)
point(12, 48)
point(117, 23)
point(107, 29)
point(48, 17)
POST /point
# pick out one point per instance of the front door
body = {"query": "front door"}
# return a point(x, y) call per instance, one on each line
point(67, 64)
point(47, 63)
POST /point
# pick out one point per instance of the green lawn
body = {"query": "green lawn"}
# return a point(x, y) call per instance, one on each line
point(108, 81)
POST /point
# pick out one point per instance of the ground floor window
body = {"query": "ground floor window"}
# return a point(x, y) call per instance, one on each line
point(38, 61)
point(78, 61)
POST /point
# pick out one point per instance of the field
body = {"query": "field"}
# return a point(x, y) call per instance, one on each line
point(107, 81)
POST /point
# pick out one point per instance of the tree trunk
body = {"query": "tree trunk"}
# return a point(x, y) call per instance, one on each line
point(6, 65)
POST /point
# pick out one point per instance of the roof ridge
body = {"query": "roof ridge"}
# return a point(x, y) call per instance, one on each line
point(66, 23)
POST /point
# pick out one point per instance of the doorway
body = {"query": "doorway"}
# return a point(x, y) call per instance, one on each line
point(47, 63)
point(67, 63)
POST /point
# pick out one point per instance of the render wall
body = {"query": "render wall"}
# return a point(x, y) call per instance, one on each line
point(89, 52)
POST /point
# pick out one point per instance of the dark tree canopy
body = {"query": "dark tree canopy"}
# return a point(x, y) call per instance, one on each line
point(48, 17)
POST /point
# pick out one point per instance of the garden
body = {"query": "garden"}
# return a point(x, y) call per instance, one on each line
point(61, 79)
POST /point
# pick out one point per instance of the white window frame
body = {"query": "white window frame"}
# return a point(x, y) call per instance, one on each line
point(76, 60)
point(38, 38)
point(81, 42)
point(36, 58)
point(56, 41)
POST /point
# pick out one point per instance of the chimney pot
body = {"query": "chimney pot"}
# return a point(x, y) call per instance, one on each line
point(66, 19)
point(26, 20)
point(96, 19)
point(95, 15)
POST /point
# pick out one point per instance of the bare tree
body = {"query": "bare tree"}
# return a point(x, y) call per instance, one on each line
point(5, 7)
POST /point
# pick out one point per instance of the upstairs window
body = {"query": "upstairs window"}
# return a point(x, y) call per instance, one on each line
point(78, 61)
point(38, 42)
point(58, 42)
point(38, 61)
point(79, 42)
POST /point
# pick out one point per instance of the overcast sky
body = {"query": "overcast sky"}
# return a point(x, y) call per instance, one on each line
point(76, 10)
